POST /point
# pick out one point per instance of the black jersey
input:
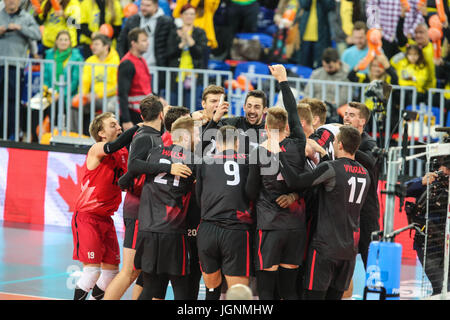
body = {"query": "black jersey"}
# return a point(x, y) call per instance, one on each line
point(165, 198)
point(324, 136)
point(220, 190)
point(144, 139)
point(344, 184)
point(268, 183)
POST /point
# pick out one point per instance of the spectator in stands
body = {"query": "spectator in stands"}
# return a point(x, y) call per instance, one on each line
point(134, 78)
point(341, 24)
point(333, 69)
point(204, 18)
point(286, 31)
point(379, 69)
point(385, 14)
point(422, 40)
point(17, 29)
point(62, 53)
point(358, 51)
point(103, 53)
point(66, 18)
point(186, 50)
point(314, 39)
point(95, 13)
point(443, 72)
point(151, 18)
point(412, 71)
point(242, 17)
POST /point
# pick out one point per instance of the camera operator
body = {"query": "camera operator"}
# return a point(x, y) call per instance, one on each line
point(416, 212)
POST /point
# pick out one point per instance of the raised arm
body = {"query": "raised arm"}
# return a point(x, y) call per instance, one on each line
point(279, 72)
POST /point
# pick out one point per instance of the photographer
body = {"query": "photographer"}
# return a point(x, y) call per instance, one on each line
point(438, 187)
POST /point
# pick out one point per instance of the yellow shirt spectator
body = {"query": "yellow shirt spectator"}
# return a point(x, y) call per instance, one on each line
point(411, 71)
point(203, 21)
point(53, 22)
point(311, 31)
point(90, 15)
point(99, 75)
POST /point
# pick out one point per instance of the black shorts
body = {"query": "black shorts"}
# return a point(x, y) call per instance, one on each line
point(322, 273)
point(131, 230)
point(225, 249)
point(274, 247)
point(162, 253)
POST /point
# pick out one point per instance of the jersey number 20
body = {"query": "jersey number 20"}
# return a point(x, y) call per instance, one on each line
point(353, 182)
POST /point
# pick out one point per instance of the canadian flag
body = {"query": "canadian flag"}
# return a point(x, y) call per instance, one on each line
point(41, 187)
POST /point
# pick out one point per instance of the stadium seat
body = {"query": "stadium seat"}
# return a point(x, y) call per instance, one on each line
point(435, 110)
point(301, 71)
point(447, 123)
point(265, 21)
point(255, 67)
point(264, 39)
point(218, 65)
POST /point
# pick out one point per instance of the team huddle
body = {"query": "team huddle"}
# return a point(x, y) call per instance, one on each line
point(276, 199)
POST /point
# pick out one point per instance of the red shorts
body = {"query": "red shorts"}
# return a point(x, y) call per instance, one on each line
point(94, 239)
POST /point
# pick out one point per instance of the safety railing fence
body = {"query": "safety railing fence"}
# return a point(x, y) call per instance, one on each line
point(388, 118)
point(39, 95)
point(63, 116)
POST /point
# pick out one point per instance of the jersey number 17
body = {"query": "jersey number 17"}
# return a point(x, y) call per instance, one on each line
point(353, 184)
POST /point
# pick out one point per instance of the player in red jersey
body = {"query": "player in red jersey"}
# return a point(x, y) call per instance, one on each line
point(94, 234)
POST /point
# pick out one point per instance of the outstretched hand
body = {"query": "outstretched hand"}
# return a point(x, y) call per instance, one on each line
point(279, 72)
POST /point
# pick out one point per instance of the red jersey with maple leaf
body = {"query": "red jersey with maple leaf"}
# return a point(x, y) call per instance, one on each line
point(100, 193)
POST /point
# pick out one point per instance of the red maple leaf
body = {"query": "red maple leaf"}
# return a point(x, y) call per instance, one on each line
point(69, 190)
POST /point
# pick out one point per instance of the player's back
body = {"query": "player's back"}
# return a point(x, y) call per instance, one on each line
point(270, 215)
point(221, 181)
point(341, 198)
point(100, 193)
point(165, 198)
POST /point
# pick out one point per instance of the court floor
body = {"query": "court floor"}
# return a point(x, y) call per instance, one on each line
point(36, 263)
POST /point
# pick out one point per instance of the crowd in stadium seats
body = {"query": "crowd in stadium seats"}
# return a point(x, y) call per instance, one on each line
point(402, 42)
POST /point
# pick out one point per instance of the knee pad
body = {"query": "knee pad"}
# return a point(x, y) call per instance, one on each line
point(88, 278)
point(105, 278)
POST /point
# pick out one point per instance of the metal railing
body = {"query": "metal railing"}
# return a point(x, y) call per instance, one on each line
point(63, 117)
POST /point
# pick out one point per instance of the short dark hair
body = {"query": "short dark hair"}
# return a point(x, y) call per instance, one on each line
point(150, 107)
point(212, 89)
point(257, 94)
point(187, 6)
point(134, 33)
point(364, 111)
point(330, 55)
point(360, 25)
point(173, 114)
point(350, 138)
point(103, 38)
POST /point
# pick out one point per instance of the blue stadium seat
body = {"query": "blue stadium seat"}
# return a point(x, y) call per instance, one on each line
point(447, 123)
point(251, 67)
point(301, 71)
point(435, 110)
point(218, 65)
point(265, 21)
point(264, 39)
